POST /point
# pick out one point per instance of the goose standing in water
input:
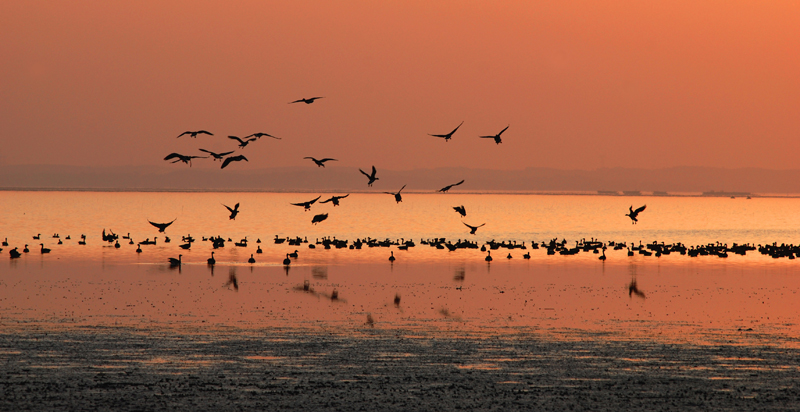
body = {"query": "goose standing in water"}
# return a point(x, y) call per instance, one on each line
point(44, 249)
point(392, 258)
point(252, 259)
point(488, 257)
point(211, 261)
point(287, 261)
point(603, 258)
point(26, 249)
point(14, 254)
point(175, 262)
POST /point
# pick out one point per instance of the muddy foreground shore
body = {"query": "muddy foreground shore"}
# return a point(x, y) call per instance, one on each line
point(91, 368)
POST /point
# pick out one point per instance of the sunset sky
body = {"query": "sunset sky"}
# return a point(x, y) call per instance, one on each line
point(582, 84)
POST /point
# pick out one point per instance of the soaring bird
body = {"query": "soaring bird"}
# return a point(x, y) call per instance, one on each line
point(318, 218)
point(230, 159)
point(183, 158)
point(234, 211)
point(321, 162)
point(461, 210)
point(175, 262)
point(448, 187)
point(634, 213)
point(447, 136)
point(473, 229)
point(397, 197)
point(242, 142)
point(260, 135)
point(194, 134)
point(307, 205)
point(217, 156)
point(307, 101)
point(497, 136)
point(162, 226)
point(335, 199)
point(371, 177)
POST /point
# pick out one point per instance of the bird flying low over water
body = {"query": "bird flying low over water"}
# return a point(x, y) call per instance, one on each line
point(497, 136)
point(162, 226)
point(307, 205)
point(194, 134)
point(318, 218)
point(447, 136)
point(234, 211)
point(335, 199)
point(371, 177)
point(397, 197)
point(183, 158)
point(473, 229)
point(236, 158)
point(448, 187)
point(217, 156)
point(461, 210)
point(242, 142)
point(260, 135)
point(307, 101)
point(321, 162)
point(634, 213)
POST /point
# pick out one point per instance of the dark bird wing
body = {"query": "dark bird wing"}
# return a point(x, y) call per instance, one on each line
point(236, 138)
point(327, 159)
point(205, 132)
point(228, 207)
point(454, 130)
point(639, 209)
point(501, 132)
point(228, 160)
point(161, 226)
point(373, 172)
point(401, 189)
point(184, 133)
point(456, 184)
point(329, 200)
point(175, 156)
point(210, 152)
point(315, 160)
point(311, 202)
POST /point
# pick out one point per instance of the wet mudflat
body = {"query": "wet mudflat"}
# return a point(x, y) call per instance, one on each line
point(122, 368)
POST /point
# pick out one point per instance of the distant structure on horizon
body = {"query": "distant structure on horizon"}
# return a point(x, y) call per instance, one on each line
point(726, 194)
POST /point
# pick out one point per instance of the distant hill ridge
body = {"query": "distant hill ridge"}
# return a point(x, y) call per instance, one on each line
point(342, 179)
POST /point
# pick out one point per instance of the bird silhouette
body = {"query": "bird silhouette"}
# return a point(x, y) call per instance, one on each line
point(397, 197)
point(162, 226)
point(461, 210)
point(488, 257)
point(396, 299)
point(307, 205)
point(497, 136)
point(392, 258)
point(194, 134)
point(633, 213)
point(211, 260)
point(183, 158)
point(216, 156)
point(234, 211)
point(371, 177)
point(242, 142)
point(175, 262)
point(447, 136)
point(14, 253)
point(321, 162)
point(448, 187)
point(287, 261)
point(473, 229)
point(236, 158)
point(252, 259)
point(260, 135)
point(335, 199)
point(44, 249)
point(307, 101)
point(319, 218)
point(633, 289)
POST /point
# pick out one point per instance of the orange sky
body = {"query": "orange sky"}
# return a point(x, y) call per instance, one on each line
point(583, 84)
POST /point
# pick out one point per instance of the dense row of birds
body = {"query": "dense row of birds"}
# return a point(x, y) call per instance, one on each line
point(550, 247)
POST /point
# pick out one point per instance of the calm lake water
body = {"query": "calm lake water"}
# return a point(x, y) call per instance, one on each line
point(702, 299)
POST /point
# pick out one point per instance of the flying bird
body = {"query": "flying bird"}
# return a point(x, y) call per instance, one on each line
point(307, 205)
point(446, 188)
point(317, 219)
point(449, 135)
point(234, 211)
point(242, 142)
point(307, 101)
point(321, 162)
point(461, 210)
point(371, 177)
point(397, 197)
point(217, 156)
point(497, 136)
point(162, 226)
point(194, 134)
point(634, 213)
point(183, 158)
point(236, 158)
point(260, 135)
point(473, 229)
point(335, 199)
